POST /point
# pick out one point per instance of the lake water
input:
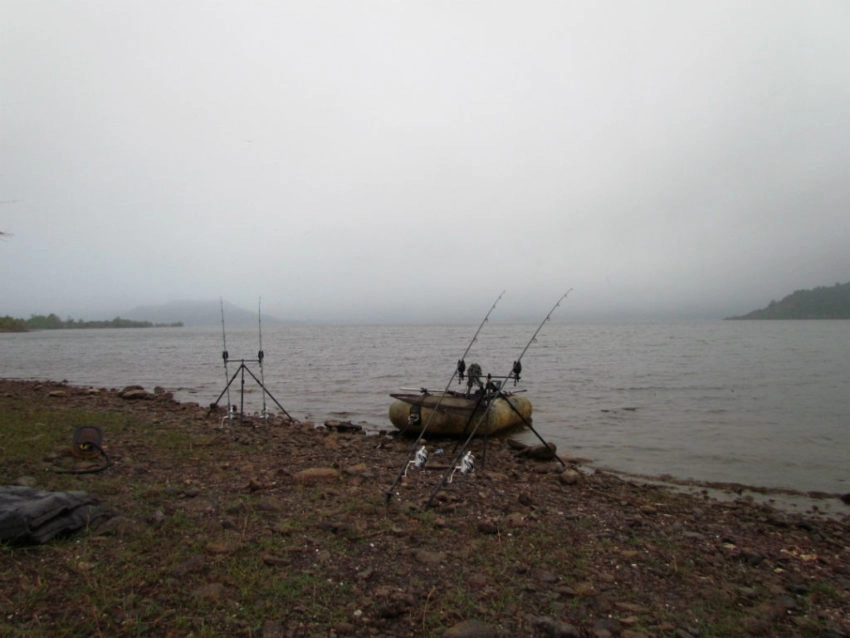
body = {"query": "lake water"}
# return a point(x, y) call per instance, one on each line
point(758, 403)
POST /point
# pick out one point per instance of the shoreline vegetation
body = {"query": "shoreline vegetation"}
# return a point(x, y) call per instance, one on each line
point(824, 302)
point(209, 526)
point(53, 322)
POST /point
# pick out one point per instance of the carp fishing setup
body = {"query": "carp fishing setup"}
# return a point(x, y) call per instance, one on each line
point(241, 369)
point(487, 396)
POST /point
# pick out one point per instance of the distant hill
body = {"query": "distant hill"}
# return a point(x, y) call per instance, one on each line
point(819, 303)
point(197, 313)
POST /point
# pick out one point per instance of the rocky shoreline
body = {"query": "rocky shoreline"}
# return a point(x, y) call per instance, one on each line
point(290, 524)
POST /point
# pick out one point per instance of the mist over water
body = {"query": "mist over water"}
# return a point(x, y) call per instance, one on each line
point(759, 403)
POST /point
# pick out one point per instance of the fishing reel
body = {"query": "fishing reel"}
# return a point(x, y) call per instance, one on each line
point(418, 461)
point(467, 465)
point(232, 412)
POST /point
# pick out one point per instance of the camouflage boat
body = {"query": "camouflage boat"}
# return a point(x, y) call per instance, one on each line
point(458, 413)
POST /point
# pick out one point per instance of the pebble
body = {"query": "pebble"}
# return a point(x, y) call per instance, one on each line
point(551, 627)
point(488, 526)
point(471, 629)
point(314, 475)
point(569, 477)
point(429, 558)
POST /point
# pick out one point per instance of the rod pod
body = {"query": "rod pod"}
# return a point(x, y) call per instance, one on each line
point(483, 416)
point(461, 366)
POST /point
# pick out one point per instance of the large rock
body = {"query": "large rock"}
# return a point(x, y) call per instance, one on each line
point(471, 629)
point(569, 477)
point(134, 393)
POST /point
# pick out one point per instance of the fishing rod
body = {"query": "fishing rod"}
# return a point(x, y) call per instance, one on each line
point(225, 356)
point(460, 368)
point(517, 365)
point(261, 355)
point(515, 370)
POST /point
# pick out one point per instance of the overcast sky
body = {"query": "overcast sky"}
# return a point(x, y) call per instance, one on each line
point(408, 161)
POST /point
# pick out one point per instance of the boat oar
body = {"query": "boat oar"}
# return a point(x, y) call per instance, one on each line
point(414, 448)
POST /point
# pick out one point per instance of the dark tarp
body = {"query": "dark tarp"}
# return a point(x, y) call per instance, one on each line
point(29, 516)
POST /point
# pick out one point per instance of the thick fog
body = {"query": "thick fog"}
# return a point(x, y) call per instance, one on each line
point(408, 161)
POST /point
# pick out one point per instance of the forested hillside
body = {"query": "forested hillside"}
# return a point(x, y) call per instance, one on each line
point(825, 302)
point(54, 322)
